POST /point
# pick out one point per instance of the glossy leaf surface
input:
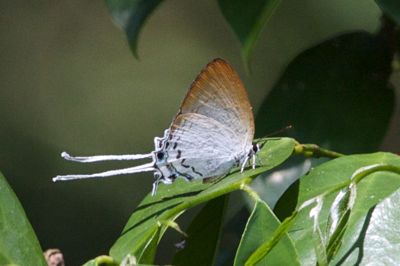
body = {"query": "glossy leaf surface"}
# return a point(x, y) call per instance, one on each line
point(18, 242)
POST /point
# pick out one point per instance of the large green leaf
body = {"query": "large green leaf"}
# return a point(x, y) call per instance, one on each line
point(370, 191)
point(335, 94)
point(260, 227)
point(130, 16)
point(391, 8)
point(380, 243)
point(151, 217)
point(247, 19)
point(18, 242)
point(203, 235)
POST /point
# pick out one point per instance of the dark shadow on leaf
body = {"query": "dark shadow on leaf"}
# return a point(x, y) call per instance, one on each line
point(359, 244)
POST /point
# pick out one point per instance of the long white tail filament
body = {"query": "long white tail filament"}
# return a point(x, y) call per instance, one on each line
point(148, 167)
point(100, 158)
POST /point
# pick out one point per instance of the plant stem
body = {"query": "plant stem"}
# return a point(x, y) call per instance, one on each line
point(251, 192)
point(313, 150)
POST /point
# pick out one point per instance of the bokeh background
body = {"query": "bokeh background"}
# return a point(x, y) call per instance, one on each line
point(68, 81)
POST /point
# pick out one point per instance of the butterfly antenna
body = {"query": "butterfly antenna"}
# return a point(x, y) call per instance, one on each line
point(101, 158)
point(274, 133)
point(148, 167)
point(279, 131)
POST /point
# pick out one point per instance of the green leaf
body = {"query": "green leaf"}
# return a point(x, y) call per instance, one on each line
point(382, 237)
point(171, 200)
point(101, 260)
point(336, 94)
point(272, 152)
point(247, 19)
point(18, 242)
point(261, 225)
point(130, 15)
point(203, 235)
point(391, 8)
point(150, 249)
point(370, 191)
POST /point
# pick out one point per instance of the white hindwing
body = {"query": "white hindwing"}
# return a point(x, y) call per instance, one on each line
point(200, 147)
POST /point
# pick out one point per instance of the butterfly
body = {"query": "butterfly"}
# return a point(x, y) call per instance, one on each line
point(212, 133)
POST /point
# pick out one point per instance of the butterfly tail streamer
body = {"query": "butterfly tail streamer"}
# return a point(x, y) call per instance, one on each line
point(101, 158)
point(148, 167)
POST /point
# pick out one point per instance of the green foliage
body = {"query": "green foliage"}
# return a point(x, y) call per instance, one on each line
point(247, 19)
point(343, 206)
point(18, 243)
point(130, 15)
point(101, 260)
point(391, 8)
point(376, 177)
point(335, 94)
point(203, 235)
point(261, 225)
point(346, 190)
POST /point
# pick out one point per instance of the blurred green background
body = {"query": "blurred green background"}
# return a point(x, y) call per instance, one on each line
point(68, 81)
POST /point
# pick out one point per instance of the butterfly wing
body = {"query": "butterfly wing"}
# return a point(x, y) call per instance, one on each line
point(213, 130)
point(218, 93)
point(201, 147)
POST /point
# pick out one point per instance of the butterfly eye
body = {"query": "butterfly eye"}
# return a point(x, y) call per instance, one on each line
point(160, 155)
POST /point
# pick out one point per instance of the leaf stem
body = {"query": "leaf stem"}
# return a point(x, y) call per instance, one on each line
point(313, 150)
point(251, 192)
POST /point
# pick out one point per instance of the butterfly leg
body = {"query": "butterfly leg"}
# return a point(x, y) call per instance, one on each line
point(155, 186)
point(159, 179)
point(255, 149)
point(253, 161)
point(244, 164)
point(158, 176)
